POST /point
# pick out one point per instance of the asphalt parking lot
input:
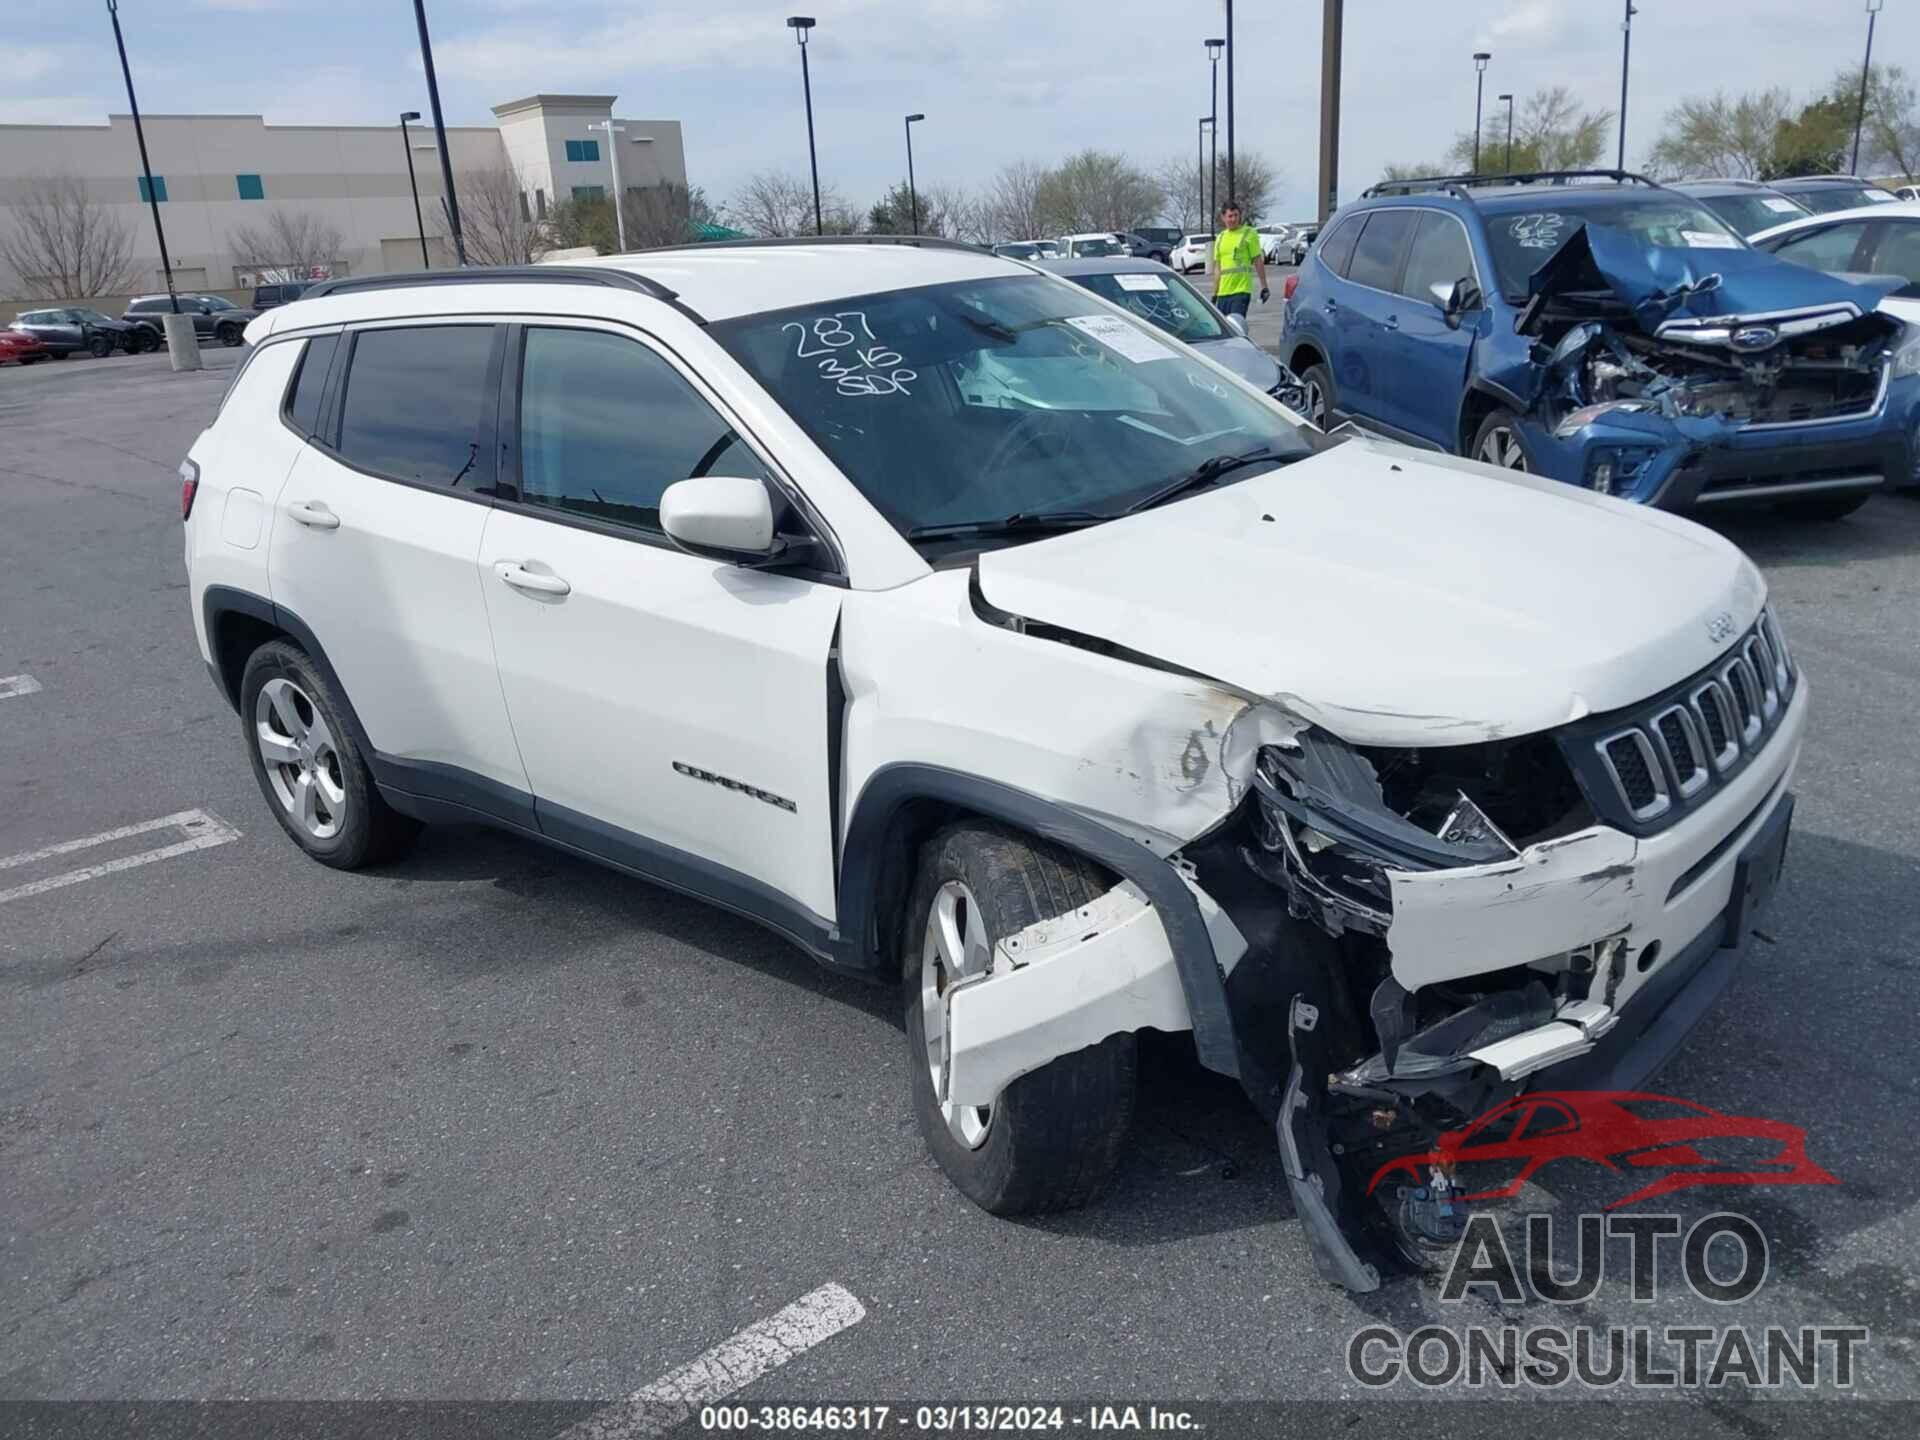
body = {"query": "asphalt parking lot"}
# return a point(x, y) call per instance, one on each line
point(493, 1124)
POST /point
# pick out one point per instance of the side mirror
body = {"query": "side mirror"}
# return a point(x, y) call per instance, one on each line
point(721, 517)
point(1236, 324)
point(1456, 299)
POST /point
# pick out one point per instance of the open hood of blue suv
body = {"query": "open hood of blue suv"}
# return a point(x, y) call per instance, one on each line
point(1660, 284)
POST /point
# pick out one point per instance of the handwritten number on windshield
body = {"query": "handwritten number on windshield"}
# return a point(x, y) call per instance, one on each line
point(831, 343)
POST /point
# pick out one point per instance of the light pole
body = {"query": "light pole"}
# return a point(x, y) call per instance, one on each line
point(1509, 100)
point(440, 133)
point(800, 25)
point(1200, 165)
point(613, 154)
point(1332, 24)
point(913, 196)
point(1232, 194)
point(413, 184)
point(1626, 48)
point(1866, 70)
point(146, 169)
point(1212, 176)
point(1480, 58)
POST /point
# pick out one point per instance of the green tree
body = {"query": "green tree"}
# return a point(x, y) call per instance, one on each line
point(1814, 142)
point(1723, 136)
point(1550, 132)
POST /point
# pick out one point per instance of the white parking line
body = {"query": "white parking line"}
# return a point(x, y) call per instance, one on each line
point(764, 1345)
point(201, 830)
point(12, 685)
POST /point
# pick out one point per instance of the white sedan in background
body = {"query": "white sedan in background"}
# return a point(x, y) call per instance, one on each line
point(1882, 239)
point(1191, 253)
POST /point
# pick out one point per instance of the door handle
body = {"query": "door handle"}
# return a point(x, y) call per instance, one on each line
point(1330, 306)
point(314, 515)
point(521, 578)
point(1393, 322)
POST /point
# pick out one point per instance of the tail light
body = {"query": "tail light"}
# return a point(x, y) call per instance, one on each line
point(1293, 282)
point(189, 487)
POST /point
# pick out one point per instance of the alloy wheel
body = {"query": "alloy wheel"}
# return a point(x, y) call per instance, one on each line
point(1501, 447)
point(957, 947)
point(302, 761)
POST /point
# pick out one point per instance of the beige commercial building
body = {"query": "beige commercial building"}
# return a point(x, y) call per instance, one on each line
point(215, 174)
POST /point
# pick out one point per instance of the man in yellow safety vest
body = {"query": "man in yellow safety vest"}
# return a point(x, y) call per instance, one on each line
point(1235, 260)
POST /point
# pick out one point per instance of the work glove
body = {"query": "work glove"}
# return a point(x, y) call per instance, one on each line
point(1265, 294)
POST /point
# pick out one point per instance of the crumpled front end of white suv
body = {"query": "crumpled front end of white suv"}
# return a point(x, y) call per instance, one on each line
point(1382, 919)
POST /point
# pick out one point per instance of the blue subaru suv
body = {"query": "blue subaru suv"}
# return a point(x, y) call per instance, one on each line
point(1597, 328)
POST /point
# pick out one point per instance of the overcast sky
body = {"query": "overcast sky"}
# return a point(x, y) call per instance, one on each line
point(999, 80)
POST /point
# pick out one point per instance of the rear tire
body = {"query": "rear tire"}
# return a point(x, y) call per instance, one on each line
point(1051, 1139)
point(1837, 508)
point(308, 765)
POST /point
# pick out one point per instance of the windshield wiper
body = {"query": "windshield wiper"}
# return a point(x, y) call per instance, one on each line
point(1011, 524)
point(1207, 472)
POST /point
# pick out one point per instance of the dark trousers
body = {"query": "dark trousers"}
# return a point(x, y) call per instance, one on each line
point(1232, 304)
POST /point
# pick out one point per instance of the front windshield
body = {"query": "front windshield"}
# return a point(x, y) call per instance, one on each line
point(1104, 245)
point(1750, 214)
point(979, 400)
point(214, 302)
point(1159, 299)
point(1524, 240)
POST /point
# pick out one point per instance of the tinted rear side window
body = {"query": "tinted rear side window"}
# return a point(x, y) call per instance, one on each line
point(414, 403)
point(1376, 258)
point(1337, 249)
point(310, 384)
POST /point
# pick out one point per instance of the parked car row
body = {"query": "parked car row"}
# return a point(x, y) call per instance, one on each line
point(72, 329)
point(1623, 336)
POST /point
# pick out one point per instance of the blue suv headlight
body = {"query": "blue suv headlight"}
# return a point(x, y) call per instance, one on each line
point(1575, 419)
point(1906, 360)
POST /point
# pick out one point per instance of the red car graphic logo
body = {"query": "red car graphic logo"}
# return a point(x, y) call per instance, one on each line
point(1622, 1130)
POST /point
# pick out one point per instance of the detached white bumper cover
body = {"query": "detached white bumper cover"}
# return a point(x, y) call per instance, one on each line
point(1067, 983)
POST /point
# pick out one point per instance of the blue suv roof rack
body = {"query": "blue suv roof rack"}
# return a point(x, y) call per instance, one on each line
point(1460, 186)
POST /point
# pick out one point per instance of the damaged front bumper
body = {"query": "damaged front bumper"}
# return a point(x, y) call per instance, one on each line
point(1361, 1022)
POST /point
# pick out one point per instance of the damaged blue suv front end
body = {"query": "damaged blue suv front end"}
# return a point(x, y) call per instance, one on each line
point(1614, 336)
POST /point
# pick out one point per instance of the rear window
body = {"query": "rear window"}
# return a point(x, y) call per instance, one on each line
point(310, 384)
point(141, 307)
point(1376, 257)
point(414, 403)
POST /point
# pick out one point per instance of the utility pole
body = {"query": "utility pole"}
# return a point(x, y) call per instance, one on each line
point(146, 167)
point(413, 184)
point(1211, 187)
point(1233, 195)
point(800, 25)
point(1333, 19)
point(1866, 71)
point(1509, 100)
point(440, 134)
point(619, 195)
point(1626, 50)
point(1200, 168)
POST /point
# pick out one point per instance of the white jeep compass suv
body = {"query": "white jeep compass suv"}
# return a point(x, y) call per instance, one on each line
point(980, 638)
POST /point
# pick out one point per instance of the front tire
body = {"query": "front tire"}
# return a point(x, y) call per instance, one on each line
point(100, 347)
point(1497, 442)
point(229, 335)
point(309, 766)
point(1320, 402)
point(1051, 1139)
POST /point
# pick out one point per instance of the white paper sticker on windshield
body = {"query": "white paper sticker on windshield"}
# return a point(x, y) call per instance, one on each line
point(1116, 334)
point(1879, 197)
point(1537, 232)
point(1780, 205)
point(1141, 282)
point(1709, 240)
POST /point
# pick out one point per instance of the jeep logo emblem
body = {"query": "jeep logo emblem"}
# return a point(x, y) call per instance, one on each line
point(1719, 626)
point(1754, 337)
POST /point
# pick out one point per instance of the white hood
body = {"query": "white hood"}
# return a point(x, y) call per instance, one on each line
point(1399, 598)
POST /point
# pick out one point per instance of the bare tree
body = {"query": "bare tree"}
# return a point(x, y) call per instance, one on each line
point(777, 202)
point(296, 241)
point(1550, 132)
point(1183, 190)
point(1097, 190)
point(1012, 201)
point(497, 220)
point(64, 244)
point(1724, 136)
point(1892, 139)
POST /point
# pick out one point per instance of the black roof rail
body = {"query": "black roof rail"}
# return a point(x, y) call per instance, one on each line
point(1460, 185)
point(609, 276)
point(929, 242)
point(1853, 179)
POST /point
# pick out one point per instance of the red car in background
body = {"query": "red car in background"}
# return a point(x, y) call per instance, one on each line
point(19, 349)
point(1682, 1143)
